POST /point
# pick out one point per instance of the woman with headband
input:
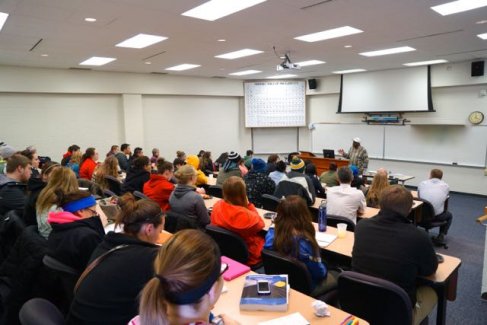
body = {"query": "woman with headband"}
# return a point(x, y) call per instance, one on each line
point(186, 285)
point(108, 290)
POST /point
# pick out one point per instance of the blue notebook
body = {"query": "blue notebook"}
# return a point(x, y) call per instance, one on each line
point(276, 300)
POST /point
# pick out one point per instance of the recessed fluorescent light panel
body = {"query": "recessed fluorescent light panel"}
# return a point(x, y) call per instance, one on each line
point(482, 36)
point(349, 71)
point(414, 64)
point(309, 62)
point(458, 6)
point(97, 60)
point(244, 73)
point(216, 9)
point(282, 76)
point(182, 67)
point(3, 19)
point(328, 34)
point(141, 40)
point(90, 20)
point(394, 50)
point(238, 54)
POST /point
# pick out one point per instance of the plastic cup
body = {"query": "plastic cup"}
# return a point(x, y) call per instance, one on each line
point(342, 230)
point(210, 176)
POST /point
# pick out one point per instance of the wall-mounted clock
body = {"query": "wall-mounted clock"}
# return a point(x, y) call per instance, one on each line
point(476, 117)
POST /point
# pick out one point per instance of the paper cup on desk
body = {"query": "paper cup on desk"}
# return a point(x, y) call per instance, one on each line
point(210, 176)
point(341, 230)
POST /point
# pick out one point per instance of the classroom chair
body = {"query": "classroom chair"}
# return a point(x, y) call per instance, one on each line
point(177, 221)
point(94, 188)
point(139, 195)
point(67, 275)
point(270, 202)
point(378, 301)
point(114, 184)
point(215, 190)
point(427, 218)
point(38, 311)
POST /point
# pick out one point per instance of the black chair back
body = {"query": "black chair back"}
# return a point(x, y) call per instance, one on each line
point(298, 274)
point(378, 301)
point(216, 191)
point(38, 311)
point(139, 195)
point(11, 227)
point(270, 202)
point(231, 244)
point(177, 221)
point(108, 193)
point(114, 184)
point(332, 220)
point(94, 188)
point(67, 275)
point(286, 187)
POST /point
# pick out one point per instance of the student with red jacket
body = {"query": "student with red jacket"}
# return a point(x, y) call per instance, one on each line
point(236, 214)
point(159, 187)
point(88, 163)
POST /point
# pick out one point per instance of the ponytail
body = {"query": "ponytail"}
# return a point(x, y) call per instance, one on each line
point(133, 214)
point(90, 152)
point(153, 305)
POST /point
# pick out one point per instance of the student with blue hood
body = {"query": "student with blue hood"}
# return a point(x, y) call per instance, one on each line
point(258, 182)
point(76, 231)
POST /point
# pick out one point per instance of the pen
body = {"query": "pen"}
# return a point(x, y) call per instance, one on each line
point(344, 322)
point(355, 321)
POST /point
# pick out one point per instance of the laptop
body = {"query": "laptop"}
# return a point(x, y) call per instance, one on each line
point(328, 153)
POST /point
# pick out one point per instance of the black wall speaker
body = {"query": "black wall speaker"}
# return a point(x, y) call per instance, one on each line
point(477, 69)
point(312, 82)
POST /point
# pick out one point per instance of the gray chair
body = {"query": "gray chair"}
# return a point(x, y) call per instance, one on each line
point(38, 311)
point(139, 195)
point(378, 301)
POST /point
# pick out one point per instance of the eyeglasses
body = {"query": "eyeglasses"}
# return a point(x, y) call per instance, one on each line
point(94, 212)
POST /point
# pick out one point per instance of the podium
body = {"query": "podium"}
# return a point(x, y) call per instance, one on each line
point(322, 164)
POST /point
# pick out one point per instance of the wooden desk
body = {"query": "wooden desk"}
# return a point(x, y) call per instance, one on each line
point(415, 194)
point(323, 164)
point(298, 302)
point(400, 177)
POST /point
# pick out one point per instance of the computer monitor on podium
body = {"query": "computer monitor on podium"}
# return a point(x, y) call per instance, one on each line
point(329, 153)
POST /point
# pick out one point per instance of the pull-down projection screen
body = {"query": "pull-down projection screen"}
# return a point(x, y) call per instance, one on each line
point(398, 90)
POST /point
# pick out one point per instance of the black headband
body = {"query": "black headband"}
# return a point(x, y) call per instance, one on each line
point(193, 295)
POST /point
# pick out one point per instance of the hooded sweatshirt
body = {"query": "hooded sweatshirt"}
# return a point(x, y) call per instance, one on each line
point(194, 161)
point(184, 200)
point(135, 180)
point(12, 195)
point(245, 222)
point(158, 188)
point(72, 239)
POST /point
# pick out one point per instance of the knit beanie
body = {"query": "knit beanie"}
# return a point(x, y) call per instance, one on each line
point(258, 165)
point(6, 151)
point(297, 164)
point(233, 156)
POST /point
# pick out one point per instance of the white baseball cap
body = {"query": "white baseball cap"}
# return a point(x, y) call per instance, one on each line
point(357, 140)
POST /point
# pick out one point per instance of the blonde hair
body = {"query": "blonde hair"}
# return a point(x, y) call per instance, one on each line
point(75, 157)
point(185, 262)
point(379, 183)
point(62, 179)
point(109, 167)
point(185, 173)
point(235, 192)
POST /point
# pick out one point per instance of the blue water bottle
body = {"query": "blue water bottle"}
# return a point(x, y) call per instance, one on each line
point(322, 217)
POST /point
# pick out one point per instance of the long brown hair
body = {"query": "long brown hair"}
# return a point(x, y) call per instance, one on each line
point(184, 262)
point(62, 179)
point(234, 191)
point(293, 220)
point(379, 183)
point(134, 214)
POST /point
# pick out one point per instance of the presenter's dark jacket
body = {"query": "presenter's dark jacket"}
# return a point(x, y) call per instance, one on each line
point(388, 246)
point(110, 292)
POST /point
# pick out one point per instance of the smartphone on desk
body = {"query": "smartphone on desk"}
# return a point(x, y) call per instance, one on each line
point(263, 288)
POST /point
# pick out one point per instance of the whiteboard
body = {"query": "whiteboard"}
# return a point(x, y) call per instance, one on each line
point(463, 145)
point(339, 136)
point(274, 140)
point(278, 103)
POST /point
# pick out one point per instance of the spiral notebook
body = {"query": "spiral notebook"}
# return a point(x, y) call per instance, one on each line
point(235, 269)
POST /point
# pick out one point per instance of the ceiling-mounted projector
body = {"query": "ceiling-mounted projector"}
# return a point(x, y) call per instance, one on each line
point(287, 64)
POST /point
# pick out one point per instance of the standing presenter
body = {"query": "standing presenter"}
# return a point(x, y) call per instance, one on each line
point(357, 154)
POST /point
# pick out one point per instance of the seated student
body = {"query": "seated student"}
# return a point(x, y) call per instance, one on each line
point(344, 200)
point(310, 171)
point(108, 168)
point(13, 184)
point(294, 235)
point(67, 156)
point(436, 192)
point(113, 150)
point(137, 175)
point(236, 214)
point(271, 163)
point(34, 188)
point(280, 173)
point(181, 155)
point(243, 169)
point(155, 155)
point(123, 156)
point(194, 161)
point(76, 231)
point(297, 175)
point(379, 183)
point(357, 181)
point(34, 162)
point(186, 200)
point(109, 292)
point(88, 163)
point(229, 168)
point(221, 160)
point(187, 282)
point(258, 183)
point(388, 246)
point(74, 162)
point(159, 186)
point(61, 181)
point(248, 159)
point(138, 152)
point(330, 177)
point(206, 164)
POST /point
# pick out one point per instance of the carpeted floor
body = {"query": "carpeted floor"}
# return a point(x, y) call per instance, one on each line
point(466, 241)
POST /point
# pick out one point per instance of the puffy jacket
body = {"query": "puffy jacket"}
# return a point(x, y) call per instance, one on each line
point(184, 200)
point(194, 161)
point(158, 188)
